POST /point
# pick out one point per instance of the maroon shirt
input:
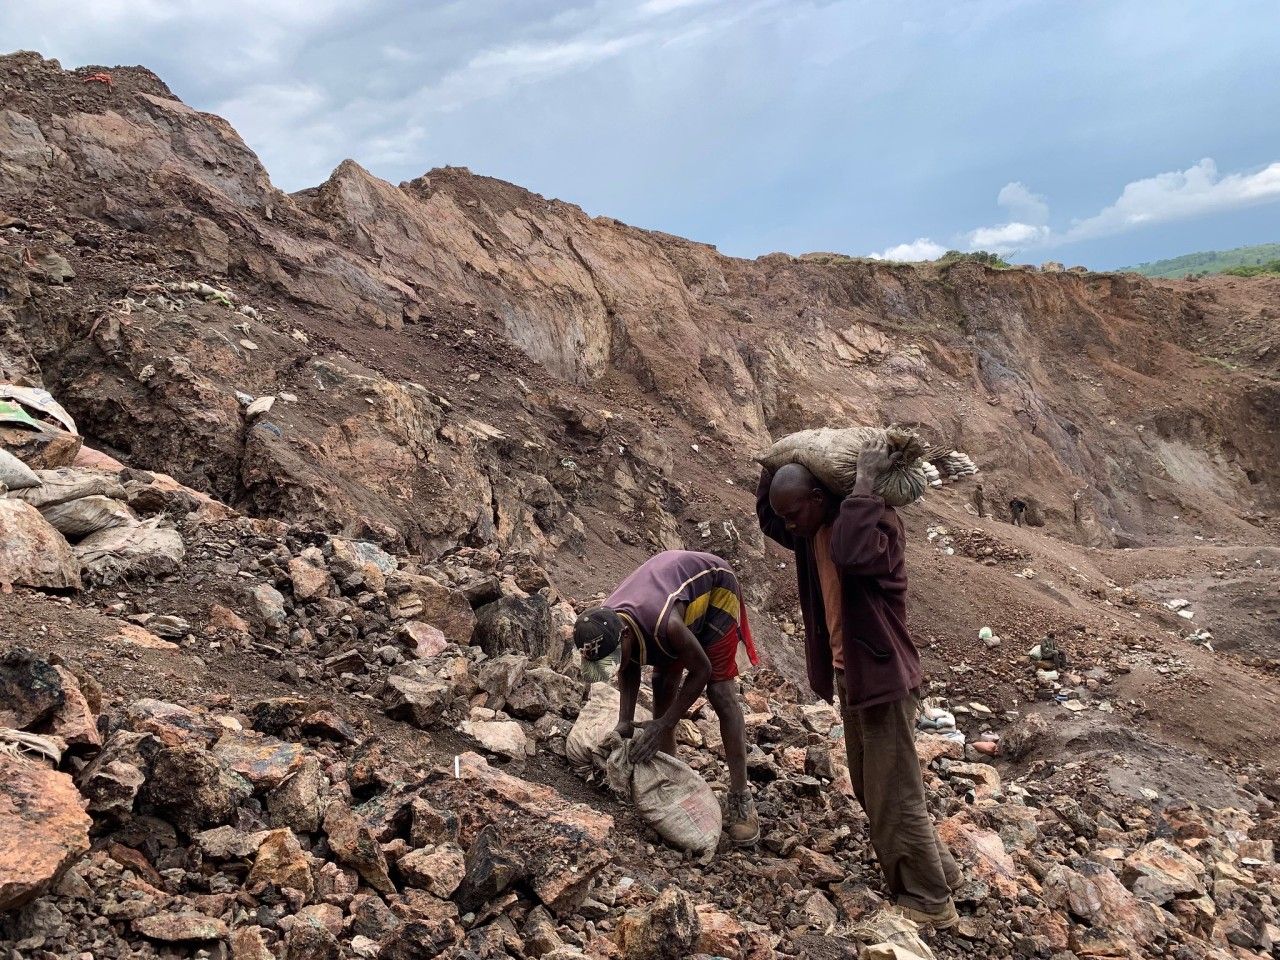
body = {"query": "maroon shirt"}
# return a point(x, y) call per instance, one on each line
point(868, 548)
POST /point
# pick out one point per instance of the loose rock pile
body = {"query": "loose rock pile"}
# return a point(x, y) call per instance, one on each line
point(288, 827)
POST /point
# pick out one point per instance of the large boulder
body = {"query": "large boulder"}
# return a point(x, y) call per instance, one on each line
point(43, 829)
point(31, 689)
point(1160, 871)
point(560, 846)
point(519, 625)
point(983, 854)
point(667, 930)
point(1092, 894)
point(32, 552)
point(415, 597)
point(194, 790)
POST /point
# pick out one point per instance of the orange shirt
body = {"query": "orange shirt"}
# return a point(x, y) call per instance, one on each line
point(832, 595)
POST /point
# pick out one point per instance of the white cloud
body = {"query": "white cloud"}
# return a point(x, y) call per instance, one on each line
point(1007, 237)
point(654, 8)
point(1022, 204)
point(493, 72)
point(920, 249)
point(1180, 195)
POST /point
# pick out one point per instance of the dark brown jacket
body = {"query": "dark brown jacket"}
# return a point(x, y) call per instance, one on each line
point(868, 547)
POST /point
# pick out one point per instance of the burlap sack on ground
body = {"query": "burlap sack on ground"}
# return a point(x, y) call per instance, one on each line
point(77, 519)
point(68, 483)
point(14, 474)
point(585, 745)
point(143, 550)
point(831, 455)
point(672, 798)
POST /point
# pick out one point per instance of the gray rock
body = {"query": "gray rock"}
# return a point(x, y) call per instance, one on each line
point(519, 625)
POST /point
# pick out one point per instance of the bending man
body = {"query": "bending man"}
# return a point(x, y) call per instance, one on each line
point(853, 594)
point(682, 613)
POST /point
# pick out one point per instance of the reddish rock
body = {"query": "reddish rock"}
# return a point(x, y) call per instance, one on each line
point(181, 927)
point(327, 724)
point(324, 915)
point(307, 939)
point(74, 721)
point(308, 581)
point(1094, 894)
point(422, 639)
point(719, 934)
point(1159, 871)
point(983, 853)
point(262, 760)
point(931, 746)
point(667, 930)
point(281, 862)
point(136, 861)
point(224, 620)
point(421, 598)
point(172, 724)
point(249, 943)
point(354, 845)
point(817, 868)
point(43, 829)
point(32, 552)
point(438, 871)
point(298, 801)
point(133, 635)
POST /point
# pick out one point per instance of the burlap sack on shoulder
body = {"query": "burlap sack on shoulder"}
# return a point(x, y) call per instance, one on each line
point(831, 455)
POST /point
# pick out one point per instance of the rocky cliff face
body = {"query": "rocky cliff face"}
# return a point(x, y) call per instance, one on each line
point(1119, 403)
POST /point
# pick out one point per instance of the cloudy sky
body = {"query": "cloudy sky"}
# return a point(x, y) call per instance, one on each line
point(1103, 132)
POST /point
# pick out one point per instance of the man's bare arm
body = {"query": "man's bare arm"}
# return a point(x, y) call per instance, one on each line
point(685, 646)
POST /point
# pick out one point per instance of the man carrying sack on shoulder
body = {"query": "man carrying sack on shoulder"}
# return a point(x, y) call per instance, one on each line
point(850, 562)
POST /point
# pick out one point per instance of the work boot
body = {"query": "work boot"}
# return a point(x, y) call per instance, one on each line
point(742, 821)
point(943, 918)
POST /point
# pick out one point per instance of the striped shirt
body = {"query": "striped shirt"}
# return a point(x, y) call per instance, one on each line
point(703, 582)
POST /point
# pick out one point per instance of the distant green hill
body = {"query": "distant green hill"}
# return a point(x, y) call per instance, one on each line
point(1212, 261)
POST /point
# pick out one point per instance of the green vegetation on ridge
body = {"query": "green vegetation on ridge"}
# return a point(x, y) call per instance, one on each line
point(1259, 258)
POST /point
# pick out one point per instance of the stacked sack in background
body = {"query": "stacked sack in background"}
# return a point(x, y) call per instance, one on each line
point(70, 515)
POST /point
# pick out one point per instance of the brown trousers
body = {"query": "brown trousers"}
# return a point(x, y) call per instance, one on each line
point(885, 769)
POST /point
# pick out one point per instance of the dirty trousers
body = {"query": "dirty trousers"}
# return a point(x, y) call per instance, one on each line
point(885, 770)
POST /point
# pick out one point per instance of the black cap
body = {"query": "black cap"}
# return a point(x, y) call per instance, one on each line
point(597, 633)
